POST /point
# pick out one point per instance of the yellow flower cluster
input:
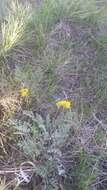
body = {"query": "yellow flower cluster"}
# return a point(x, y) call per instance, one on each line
point(24, 92)
point(67, 104)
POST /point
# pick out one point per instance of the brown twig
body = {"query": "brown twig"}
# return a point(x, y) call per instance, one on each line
point(15, 170)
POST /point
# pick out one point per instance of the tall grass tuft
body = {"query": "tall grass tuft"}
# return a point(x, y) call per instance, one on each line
point(12, 29)
point(51, 12)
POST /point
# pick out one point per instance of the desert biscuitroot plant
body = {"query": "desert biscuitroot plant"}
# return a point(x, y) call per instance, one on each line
point(42, 140)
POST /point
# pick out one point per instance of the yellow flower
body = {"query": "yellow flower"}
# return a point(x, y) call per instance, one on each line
point(67, 104)
point(24, 92)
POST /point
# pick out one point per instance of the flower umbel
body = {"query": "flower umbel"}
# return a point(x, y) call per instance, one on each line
point(24, 92)
point(67, 104)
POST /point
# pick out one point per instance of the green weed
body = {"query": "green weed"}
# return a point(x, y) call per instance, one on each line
point(85, 172)
point(99, 136)
point(26, 76)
